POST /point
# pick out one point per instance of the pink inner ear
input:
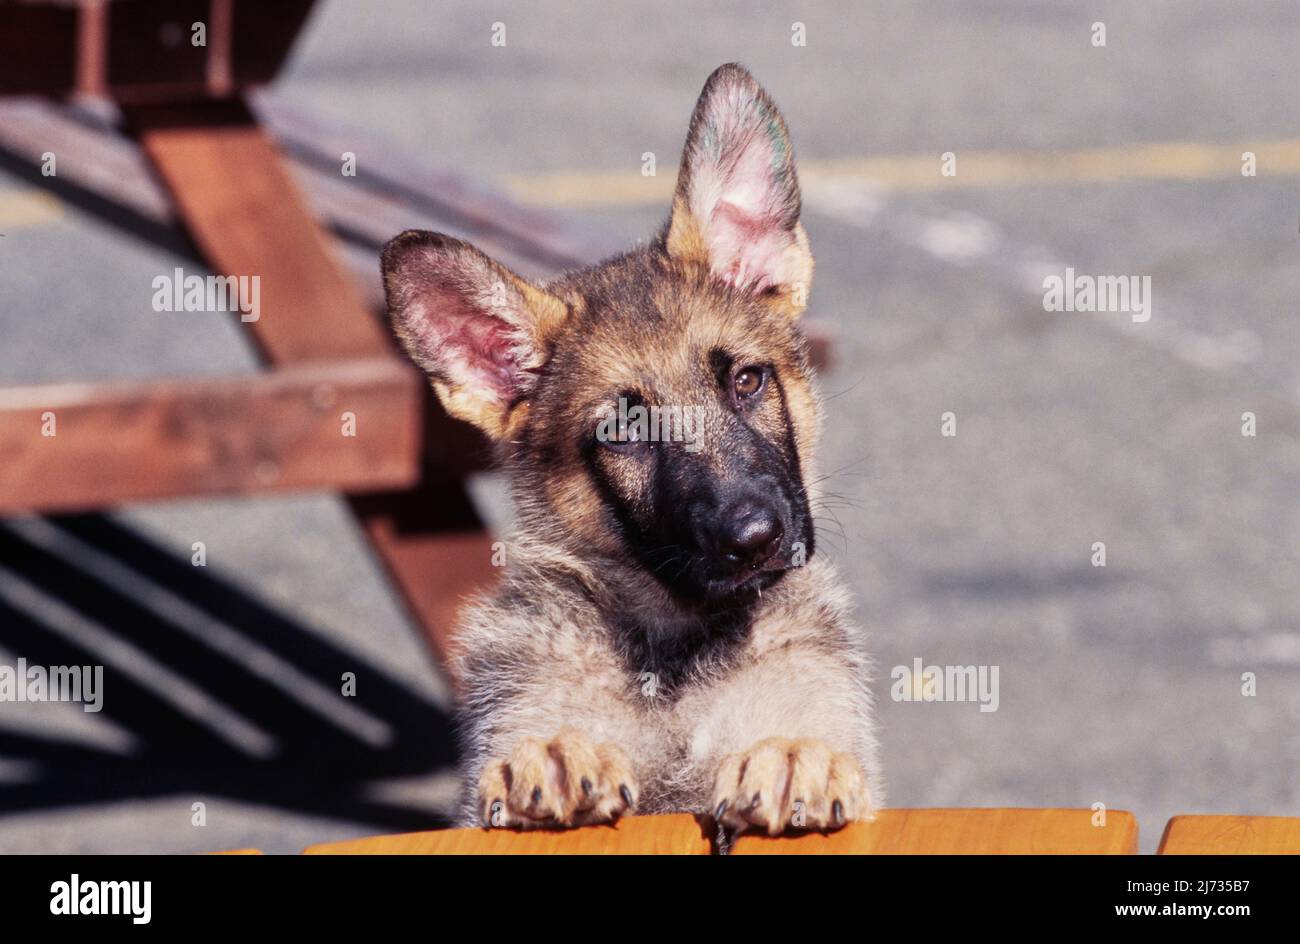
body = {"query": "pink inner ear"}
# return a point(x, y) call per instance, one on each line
point(745, 250)
point(741, 196)
point(474, 349)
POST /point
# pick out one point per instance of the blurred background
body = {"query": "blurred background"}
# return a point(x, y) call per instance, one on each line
point(1120, 685)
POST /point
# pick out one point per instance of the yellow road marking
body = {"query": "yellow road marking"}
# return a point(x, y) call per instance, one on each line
point(1169, 160)
point(19, 208)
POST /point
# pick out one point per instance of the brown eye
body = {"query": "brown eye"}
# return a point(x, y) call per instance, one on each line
point(748, 382)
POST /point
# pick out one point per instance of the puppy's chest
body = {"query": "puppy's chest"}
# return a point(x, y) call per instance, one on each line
point(670, 701)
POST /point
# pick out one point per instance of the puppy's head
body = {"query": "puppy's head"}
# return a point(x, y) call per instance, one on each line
point(655, 409)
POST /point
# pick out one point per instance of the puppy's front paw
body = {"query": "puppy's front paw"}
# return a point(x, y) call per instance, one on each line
point(780, 783)
point(567, 781)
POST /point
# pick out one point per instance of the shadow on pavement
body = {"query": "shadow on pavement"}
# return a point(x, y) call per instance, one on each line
point(206, 699)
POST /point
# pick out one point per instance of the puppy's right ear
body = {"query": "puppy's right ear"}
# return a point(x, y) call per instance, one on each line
point(479, 331)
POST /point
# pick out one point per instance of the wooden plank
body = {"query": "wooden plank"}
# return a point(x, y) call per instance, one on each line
point(143, 50)
point(263, 34)
point(961, 832)
point(245, 214)
point(150, 52)
point(118, 442)
point(1231, 835)
point(38, 47)
point(676, 834)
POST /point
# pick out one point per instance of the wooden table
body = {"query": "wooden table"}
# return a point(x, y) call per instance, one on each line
point(1231, 835)
point(197, 158)
point(893, 832)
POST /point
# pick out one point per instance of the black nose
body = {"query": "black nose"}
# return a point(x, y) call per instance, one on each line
point(749, 533)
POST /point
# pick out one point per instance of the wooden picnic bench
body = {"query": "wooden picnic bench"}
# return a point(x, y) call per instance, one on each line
point(182, 145)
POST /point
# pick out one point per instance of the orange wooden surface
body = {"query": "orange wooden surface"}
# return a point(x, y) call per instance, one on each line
point(905, 832)
point(962, 832)
point(1231, 835)
point(677, 834)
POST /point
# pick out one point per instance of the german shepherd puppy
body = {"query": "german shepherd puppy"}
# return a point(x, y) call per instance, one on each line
point(663, 638)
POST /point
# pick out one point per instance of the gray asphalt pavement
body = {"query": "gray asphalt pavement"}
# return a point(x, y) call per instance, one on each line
point(1119, 685)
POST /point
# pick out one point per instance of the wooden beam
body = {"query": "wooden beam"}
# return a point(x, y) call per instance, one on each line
point(244, 212)
point(38, 47)
point(961, 832)
point(1231, 835)
point(144, 50)
point(434, 548)
point(70, 447)
point(675, 834)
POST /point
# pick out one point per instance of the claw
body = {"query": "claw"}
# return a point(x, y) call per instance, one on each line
point(722, 808)
point(837, 813)
point(626, 794)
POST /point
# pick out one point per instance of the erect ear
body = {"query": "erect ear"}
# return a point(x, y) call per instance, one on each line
point(736, 208)
point(479, 330)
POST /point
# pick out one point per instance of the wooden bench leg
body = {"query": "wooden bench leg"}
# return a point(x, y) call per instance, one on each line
point(240, 205)
point(435, 549)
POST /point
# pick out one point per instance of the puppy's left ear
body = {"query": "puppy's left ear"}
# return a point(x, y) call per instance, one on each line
point(737, 203)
